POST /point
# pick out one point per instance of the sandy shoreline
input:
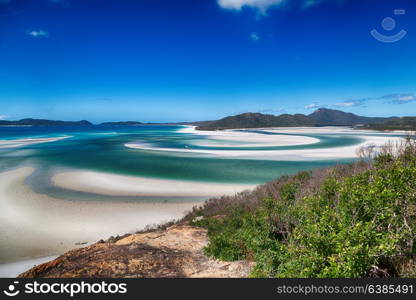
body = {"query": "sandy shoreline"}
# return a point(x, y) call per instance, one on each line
point(34, 225)
point(28, 141)
point(331, 153)
point(247, 139)
point(121, 185)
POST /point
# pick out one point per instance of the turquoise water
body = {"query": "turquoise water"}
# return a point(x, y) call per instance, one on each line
point(102, 148)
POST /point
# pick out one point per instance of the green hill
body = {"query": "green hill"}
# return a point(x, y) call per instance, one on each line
point(123, 123)
point(405, 123)
point(320, 117)
point(43, 122)
point(332, 117)
point(258, 120)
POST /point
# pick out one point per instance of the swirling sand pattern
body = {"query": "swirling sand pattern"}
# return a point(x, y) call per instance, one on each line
point(60, 186)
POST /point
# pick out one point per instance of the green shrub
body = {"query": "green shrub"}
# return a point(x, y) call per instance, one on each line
point(348, 227)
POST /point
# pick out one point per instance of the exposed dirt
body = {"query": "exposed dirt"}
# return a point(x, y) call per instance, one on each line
point(174, 252)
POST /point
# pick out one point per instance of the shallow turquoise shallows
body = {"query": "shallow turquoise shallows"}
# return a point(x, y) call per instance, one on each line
point(102, 148)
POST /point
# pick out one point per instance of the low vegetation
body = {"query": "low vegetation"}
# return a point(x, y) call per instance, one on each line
point(405, 123)
point(320, 117)
point(258, 120)
point(352, 220)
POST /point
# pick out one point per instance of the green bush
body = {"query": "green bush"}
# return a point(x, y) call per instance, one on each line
point(351, 226)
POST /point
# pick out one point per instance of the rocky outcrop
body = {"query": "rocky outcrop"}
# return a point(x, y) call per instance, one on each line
point(174, 252)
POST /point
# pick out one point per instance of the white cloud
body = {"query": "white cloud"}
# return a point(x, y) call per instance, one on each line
point(399, 98)
point(2, 117)
point(344, 104)
point(351, 103)
point(38, 33)
point(406, 98)
point(254, 37)
point(312, 106)
point(263, 5)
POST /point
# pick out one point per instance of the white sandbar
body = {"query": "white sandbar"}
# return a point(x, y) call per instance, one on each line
point(121, 185)
point(29, 141)
point(330, 153)
point(33, 225)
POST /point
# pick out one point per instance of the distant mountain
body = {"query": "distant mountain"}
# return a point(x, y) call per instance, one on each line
point(197, 123)
point(123, 123)
point(320, 117)
point(258, 120)
point(332, 117)
point(404, 123)
point(43, 122)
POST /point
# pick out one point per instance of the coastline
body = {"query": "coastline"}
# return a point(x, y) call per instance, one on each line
point(252, 139)
point(331, 153)
point(35, 226)
point(122, 185)
point(15, 143)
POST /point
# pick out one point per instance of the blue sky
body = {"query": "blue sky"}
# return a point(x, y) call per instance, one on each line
point(188, 60)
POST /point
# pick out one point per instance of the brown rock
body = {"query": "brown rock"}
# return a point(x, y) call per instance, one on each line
point(174, 252)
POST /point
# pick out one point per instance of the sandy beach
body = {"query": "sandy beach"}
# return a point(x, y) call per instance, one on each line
point(29, 141)
point(34, 225)
point(120, 185)
point(332, 130)
point(246, 139)
point(287, 155)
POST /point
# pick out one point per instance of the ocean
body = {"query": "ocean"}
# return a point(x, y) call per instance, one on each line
point(164, 152)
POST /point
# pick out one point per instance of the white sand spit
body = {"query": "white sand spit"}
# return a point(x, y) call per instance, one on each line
point(120, 185)
point(330, 153)
point(29, 141)
point(34, 225)
point(246, 139)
